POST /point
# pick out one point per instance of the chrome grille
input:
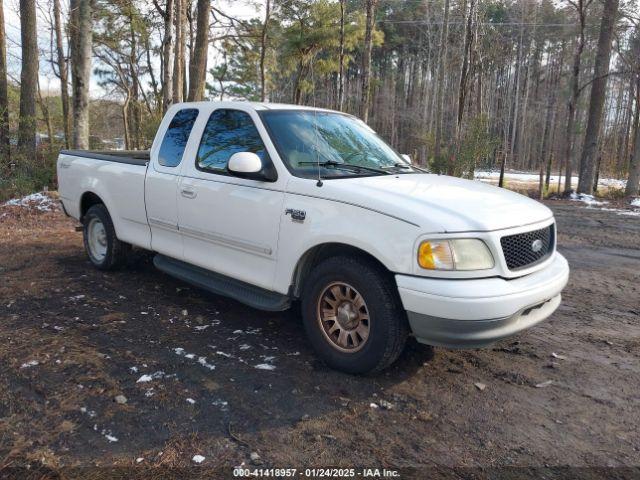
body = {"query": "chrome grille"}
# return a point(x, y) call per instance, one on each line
point(526, 249)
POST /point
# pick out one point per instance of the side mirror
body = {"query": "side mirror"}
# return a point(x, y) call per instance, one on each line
point(248, 165)
point(406, 157)
point(244, 162)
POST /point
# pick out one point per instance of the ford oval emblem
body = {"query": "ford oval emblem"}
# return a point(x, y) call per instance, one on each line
point(537, 245)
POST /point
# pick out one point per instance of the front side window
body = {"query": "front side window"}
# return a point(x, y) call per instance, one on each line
point(228, 132)
point(176, 138)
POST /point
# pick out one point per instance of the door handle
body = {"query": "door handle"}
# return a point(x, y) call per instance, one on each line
point(65, 164)
point(188, 192)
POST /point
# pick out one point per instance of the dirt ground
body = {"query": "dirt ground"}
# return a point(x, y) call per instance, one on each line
point(204, 375)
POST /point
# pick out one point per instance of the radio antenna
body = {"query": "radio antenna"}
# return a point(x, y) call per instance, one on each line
point(315, 125)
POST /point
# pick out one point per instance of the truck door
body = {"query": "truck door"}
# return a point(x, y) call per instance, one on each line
point(163, 177)
point(230, 225)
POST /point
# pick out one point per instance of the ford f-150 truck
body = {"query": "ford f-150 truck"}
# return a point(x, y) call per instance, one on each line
point(269, 204)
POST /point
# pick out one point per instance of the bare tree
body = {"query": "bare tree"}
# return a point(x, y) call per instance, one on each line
point(263, 51)
point(62, 72)
point(581, 10)
point(633, 180)
point(81, 44)
point(340, 99)
point(366, 59)
point(28, 78)
point(440, 81)
point(596, 104)
point(179, 57)
point(5, 150)
point(167, 55)
point(198, 66)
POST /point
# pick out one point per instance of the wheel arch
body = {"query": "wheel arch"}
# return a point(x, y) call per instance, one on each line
point(314, 255)
point(87, 200)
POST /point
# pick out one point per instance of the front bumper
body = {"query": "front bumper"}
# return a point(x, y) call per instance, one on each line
point(475, 313)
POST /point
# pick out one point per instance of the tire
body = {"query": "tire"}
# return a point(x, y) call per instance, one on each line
point(102, 246)
point(386, 322)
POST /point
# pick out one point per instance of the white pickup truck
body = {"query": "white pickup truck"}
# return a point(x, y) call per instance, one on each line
point(269, 204)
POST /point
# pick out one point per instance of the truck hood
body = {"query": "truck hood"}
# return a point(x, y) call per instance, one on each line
point(436, 203)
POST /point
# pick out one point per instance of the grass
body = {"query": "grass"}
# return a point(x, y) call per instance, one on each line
point(27, 175)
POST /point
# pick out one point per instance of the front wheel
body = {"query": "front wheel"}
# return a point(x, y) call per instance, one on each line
point(353, 315)
point(103, 248)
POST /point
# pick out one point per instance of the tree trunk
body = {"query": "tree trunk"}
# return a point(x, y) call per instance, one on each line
point(366, 59)
point(62, 73)
point(633, 179)
point(462, 86)
point(340, 100)
point(573, 101)
point(5, 150)
point(81, 42)
point(136, 114)
point(167, 56)
point(596, 104)
point(47, 118)
point(263, 51)
point(440, 81)
point(178, 60)
point(28, 78)
point(198, 68)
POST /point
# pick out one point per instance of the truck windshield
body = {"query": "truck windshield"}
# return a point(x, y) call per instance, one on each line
point(337, 144)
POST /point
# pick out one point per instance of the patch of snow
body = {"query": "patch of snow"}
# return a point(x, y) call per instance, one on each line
point(636, 202)
point(203, 361)
point(154, 376)
point(618, 211)
point(191, 401)
point(198, 459)
point(139, 460)
point(220, 403)
point(111, 438)
point(89, 413)
point(265, 366)
point(133, 369)
point(30, 363)
point(587, 199)
point(244, 346)
point(76, 297)
point(530, 177)
point(40, 201)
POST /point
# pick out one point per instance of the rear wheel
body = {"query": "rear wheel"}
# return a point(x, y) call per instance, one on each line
point(353, 315)
point(103, 248)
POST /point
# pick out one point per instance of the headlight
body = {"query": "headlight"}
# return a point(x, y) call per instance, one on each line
point(458, 254)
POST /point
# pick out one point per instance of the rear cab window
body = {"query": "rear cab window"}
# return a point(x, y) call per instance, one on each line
point(176, 137)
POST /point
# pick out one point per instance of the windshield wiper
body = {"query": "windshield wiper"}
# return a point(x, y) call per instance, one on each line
point(348, 166)
point(406, 166)
point(398, 165)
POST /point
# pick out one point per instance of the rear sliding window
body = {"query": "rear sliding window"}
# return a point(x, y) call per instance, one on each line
point(175, 140)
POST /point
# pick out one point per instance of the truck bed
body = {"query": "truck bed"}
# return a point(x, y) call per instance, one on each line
point(132, 157)
point(117, 178)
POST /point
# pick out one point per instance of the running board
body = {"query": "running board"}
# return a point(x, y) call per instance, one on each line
point(251, 295)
